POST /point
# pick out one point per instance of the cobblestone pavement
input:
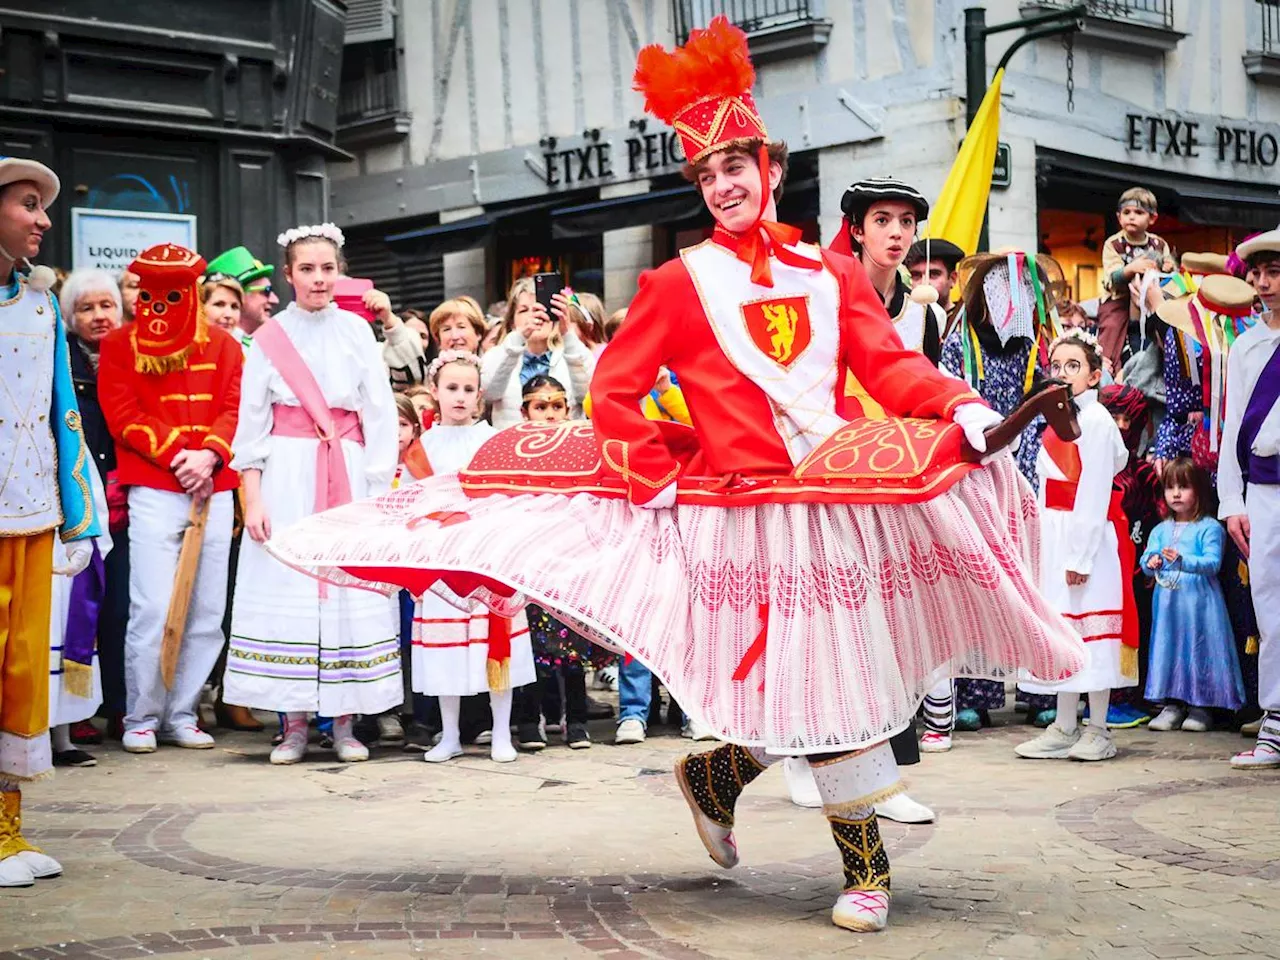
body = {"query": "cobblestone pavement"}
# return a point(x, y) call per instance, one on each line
point(1163, 852)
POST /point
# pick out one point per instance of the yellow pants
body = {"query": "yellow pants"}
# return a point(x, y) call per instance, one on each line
point(26, 585)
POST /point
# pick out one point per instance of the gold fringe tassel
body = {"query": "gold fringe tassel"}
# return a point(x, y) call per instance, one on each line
point(498, 674)
point(849, 808)
point(77, 678)
point(158, 365)
point(1129, 662)
point(1251, 645)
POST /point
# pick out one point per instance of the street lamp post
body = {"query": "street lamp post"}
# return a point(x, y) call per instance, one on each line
point(976, 31)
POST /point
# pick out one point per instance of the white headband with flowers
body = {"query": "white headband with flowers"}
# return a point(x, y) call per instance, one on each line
point(448, 357)
point(324, 231)
point(1076, 335)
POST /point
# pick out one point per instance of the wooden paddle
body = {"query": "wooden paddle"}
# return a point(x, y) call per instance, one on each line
point(184, 581)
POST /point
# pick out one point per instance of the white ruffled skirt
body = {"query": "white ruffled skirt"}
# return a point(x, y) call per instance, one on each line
point(801, 628)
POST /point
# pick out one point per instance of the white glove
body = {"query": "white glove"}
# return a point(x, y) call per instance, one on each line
point(974, 419)
point(79, 553)
point(1267, 442)
point(665, 499)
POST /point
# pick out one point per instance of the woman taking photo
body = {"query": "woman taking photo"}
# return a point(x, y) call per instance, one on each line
point(535, 343)
point(317, 428)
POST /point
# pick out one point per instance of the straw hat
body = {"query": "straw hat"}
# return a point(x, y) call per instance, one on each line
point(1204, 263)
point(1269, 241)
point(1054, 281)
point(1218, 293)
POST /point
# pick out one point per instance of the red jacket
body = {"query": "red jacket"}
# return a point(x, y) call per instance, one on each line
point(154, 416)
point(667, 326)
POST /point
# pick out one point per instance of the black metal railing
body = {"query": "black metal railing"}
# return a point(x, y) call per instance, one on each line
point(751, 15)
point(1270, 11)
point(368, 97)
point(1155, 13)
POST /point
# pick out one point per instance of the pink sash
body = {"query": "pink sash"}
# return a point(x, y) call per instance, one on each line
point(333, 488)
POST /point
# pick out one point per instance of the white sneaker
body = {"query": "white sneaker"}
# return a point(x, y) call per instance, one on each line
point(693, 730)
point(607, 678)
point(1094, 744)
point(14, 872)
point(800, 783)
point(902, 809)
point(188, 736)
point(935, 742)
point(291, 749)
point(1171, 718)
point(1054, 744)
point(41, 865)
point(484, 738)
point(390, 730)
point(864, 911)
point(139, 741)
point(350, 750)
point(443, 752)
point(502, 752)
point(1198, 721)
point(630, 730)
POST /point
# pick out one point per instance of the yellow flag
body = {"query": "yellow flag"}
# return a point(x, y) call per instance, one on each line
point(957, 216)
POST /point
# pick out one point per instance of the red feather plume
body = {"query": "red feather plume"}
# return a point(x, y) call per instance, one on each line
point(713, 62)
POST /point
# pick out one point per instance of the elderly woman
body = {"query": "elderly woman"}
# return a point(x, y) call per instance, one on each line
point(91, 304)
point(535, 342)
point(457, 324)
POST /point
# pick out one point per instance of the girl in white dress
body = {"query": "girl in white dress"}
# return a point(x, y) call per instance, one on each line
point(452, 658)
point(317, 428)
point(1087, 559)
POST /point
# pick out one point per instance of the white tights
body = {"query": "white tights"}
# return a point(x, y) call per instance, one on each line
point(1068, 703)
point(451, 711)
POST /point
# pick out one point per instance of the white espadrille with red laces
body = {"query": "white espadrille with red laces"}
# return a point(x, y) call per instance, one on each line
point(864, 911)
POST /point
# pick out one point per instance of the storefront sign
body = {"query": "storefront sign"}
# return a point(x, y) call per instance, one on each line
point(112, 239)
point(1002, 171)
point(646, 153)
point(1235, 143)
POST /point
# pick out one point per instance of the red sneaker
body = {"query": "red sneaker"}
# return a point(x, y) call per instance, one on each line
point(85, 732)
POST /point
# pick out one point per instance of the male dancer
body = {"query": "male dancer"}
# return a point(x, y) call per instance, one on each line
point(1249, 479)
point(771, 600)
point(44, 463)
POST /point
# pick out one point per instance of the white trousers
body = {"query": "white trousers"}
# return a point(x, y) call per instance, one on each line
point(157, 519)
point(1262, 504)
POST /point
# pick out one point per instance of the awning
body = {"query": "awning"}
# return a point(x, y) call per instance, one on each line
point(668, 206)
point(468, 234)
point(1198, 200)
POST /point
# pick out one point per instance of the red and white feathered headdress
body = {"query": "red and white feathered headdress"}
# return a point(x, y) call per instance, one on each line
point(702, 89)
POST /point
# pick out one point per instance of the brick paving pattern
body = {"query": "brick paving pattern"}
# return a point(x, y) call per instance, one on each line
point(1164, 852)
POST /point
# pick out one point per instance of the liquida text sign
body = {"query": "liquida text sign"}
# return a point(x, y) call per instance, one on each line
point(1235, 143)
point(642, 154)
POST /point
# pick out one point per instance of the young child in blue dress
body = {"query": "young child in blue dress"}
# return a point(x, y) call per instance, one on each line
point(1193, 665)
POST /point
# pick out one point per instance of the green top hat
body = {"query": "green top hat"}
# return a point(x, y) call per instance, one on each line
point(239, 264)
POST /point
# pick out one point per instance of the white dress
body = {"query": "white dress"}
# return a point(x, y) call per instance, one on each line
point(293, 650)
point(451, 639)
point(1084, 540)
point(64, 706)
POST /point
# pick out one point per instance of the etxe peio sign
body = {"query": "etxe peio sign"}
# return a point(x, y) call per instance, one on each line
point(1227, 143)
point(646, 153)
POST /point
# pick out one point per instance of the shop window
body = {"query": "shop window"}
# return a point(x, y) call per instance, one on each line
point(1262, 59)
point(1131, 25)
point(775, 28)
point(581, 269)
